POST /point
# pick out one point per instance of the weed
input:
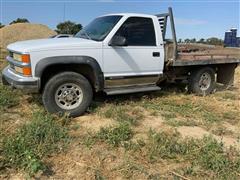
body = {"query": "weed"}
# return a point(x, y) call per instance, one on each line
point(212, 156)
point(178, 111)
point(129, 167)
point(115, 135)
point(26, 148)
point(8, 97)
point(221, 131)
point(177, 122)
point(89, 140)
point(165, 145)
point(98, 175)
point(123, 114)
point(229, 96)
point(206, 154)
point(134, 145)
point(231, 116)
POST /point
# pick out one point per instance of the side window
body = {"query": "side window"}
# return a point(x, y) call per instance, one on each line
point(138, 31)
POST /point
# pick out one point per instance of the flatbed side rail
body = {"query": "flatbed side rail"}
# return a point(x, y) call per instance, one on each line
point(162, 18)
point(205, 62)
point(198, 56)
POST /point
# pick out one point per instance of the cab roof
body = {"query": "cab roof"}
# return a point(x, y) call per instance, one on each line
point(130, 15)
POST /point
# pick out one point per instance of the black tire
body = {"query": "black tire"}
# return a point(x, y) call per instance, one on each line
point(195, 81)
point(53, 85)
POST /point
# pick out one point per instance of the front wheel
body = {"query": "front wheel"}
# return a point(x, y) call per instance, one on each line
point(67, 92)
point(202, 81)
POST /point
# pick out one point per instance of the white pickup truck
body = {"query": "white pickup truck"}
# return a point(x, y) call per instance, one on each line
point(116, 53)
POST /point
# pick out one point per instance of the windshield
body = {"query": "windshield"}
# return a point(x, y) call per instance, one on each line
point(99, 28)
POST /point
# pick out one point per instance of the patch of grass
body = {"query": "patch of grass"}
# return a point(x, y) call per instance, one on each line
point(89, 140)
point(129, 167)
point(177, 122)
point(221, 131)
point(32, 142)
point(8, 97)
point(204, 155)
point(134, 145)
point(183, 108)
point(229, 95)
point(122, 114)
point(232, 117)
point(212, 156)
point(167, 146)
point(98, 175)
point(115, 135)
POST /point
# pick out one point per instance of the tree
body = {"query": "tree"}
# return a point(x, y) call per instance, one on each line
point(193, 40)
point(214, 41)
point(1, 25)
point(180, 40)
point(202, 40)
point(68, 27)
point(20, 20)
point(187, 40)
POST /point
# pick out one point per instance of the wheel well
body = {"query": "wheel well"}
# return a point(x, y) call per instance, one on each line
point(83, 69)
point(183, 73)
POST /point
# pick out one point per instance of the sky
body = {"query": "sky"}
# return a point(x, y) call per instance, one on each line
point(193, 18)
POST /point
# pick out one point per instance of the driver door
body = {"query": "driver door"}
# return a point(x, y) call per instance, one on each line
point(139, 60)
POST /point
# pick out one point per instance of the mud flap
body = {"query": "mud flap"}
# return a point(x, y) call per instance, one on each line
point(225, 74)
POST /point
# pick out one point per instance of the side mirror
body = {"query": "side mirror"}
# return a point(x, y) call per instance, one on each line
point(118, 41)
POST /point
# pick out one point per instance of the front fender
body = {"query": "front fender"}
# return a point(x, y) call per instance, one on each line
point(50, 61)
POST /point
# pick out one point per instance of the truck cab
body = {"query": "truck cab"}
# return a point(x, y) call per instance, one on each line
point(115, 54)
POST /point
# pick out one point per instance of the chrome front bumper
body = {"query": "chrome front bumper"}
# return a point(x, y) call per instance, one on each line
point(29, 84)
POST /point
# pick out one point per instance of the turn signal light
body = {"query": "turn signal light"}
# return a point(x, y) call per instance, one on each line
point(26, 58)
point(27, 71)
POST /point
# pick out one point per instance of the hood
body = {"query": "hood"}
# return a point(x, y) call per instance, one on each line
point(52, 44)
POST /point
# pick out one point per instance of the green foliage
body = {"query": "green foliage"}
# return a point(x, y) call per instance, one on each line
point(68, 27)
point(1, 25)
point(211, 41)
point(20, 20)
point(8, 97)
point(32, 142)
point(180, 40)
point(202, 41)
point(123, 114)
point(165, 145)
point(214, 41)
point(206, 154)
point(115, 136)
point(186, 109)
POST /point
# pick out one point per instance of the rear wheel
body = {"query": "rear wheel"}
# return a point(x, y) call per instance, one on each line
point(67, 92)
point(202, 81)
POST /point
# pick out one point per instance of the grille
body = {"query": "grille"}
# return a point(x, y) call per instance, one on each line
point(11, 54)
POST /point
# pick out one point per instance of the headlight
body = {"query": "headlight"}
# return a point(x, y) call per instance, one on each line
point(17, 57)
point(21, 57)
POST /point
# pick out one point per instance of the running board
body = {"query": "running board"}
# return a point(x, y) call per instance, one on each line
point(134, 89)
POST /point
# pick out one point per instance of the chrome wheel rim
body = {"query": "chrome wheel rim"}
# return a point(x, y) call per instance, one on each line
point(205, 81)
point(68, 96)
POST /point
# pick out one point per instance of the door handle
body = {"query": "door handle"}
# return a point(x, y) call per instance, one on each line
point(156, 54)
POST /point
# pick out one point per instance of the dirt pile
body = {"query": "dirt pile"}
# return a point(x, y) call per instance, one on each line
point(23, 31)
